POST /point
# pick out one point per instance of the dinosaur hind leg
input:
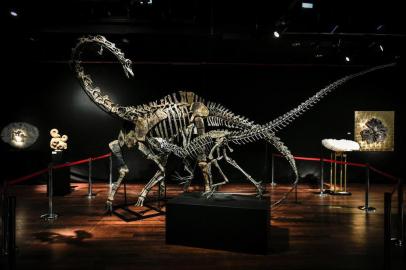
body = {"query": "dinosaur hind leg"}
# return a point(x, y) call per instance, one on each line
point(213, 188)
point(159, 176)
point(122, 170)
point(233, 163)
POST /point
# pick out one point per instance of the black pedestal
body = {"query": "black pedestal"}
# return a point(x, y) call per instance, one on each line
point(61, 177)
point(225, 221)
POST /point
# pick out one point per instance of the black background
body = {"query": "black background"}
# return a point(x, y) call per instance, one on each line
point(246, 70)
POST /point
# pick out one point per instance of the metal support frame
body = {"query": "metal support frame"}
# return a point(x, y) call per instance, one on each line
point(341, 187)
point(387, 230)
point(9, 226)
point(141, 214)
point(366, 207)
point(50, 215)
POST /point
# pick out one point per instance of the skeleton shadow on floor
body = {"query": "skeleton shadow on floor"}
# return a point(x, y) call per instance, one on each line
point(54, 238)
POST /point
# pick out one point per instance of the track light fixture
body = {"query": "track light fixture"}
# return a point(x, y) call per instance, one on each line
point(13, 13)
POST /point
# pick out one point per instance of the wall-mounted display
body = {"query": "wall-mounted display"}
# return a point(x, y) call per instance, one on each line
point(374, 130)
point(19, 134)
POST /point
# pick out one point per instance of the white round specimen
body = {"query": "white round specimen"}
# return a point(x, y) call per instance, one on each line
point(342, 145)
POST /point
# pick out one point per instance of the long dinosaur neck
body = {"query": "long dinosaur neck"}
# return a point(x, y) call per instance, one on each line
point(259, 132)
point(94, 92)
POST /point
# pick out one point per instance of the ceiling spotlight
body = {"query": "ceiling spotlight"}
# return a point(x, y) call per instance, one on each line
point(347, 59)
point(276, 34)
point(307, 5)
point(379, 27)
point(13, 13)
point(334, 29)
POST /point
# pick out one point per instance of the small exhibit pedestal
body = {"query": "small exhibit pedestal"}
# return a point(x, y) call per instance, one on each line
point(225, 221)
point(61, 177)
point(338, 186)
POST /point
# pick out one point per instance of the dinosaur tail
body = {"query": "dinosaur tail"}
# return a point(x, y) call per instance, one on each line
point(259, 132)
point(94, 92)
point(284, 120)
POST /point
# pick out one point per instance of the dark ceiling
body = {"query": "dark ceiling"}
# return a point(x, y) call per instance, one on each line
point(212, 31)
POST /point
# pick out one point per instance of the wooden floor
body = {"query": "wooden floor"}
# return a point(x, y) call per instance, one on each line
point(316, 233)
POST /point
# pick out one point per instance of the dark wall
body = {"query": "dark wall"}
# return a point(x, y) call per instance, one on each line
point(47, 95)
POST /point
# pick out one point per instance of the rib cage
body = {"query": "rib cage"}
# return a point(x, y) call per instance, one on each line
point(221, 116)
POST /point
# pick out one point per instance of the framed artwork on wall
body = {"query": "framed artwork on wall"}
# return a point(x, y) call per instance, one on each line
point(375, 130)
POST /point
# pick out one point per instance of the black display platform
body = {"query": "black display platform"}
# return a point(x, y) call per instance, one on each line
point(61, 177)
point(225, 221)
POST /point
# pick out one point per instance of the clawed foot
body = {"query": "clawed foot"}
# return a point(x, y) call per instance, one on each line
point(208, 194)
point(109, 207)
point(184, 180)
point(260, 189)
point(140, 201)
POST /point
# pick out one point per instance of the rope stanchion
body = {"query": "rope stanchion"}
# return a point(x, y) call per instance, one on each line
point(110, 172)
point(50, 215)
point(90, 193)
point(366, 207)
point(401, 218)
point(9, 226)
point(387, 230)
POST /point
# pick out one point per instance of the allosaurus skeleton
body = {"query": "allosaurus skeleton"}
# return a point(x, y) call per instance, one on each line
point(174, 118)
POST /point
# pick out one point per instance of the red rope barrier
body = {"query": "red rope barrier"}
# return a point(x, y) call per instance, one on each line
point(387, 175)
point(26, 177)
point(362, 165)
point(59, 166)
point(101, 157)
point(70, 164)
point(325, 160)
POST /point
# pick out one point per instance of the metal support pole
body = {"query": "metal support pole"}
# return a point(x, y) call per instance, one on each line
point(11, 222)
point(110, 173)
point(335, 172)
point(125, 194)
point(296, 201)
point(322, 193)
point(273, 171)
point(387, 231)
point(9, 226)
point(366, 207)
point(401, 231)
point(331, 172)
point(50, 215)
point(4, 218)
point(90, 193)
point(3, 221)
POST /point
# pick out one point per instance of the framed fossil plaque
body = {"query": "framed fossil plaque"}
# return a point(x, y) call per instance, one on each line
point(374, 130)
